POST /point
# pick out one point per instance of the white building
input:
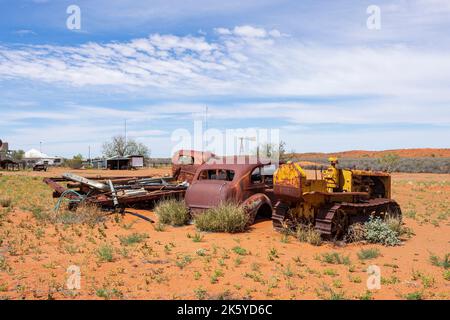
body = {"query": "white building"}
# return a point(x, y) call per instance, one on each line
point(34, 156)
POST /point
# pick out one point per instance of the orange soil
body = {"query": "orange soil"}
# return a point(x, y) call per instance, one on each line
point(152, 269)
point(405, 153)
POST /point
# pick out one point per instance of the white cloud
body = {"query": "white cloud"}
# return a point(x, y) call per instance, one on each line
point(249, 31)
point(246, 61)
point(403, 84)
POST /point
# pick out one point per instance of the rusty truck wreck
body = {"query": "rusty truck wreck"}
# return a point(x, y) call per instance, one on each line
point(244, 181)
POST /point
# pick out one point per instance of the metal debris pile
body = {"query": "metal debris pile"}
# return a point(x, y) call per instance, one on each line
point(114, 192)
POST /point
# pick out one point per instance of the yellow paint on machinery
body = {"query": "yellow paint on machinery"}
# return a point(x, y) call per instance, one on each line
point(332, 203)
point(290, 181)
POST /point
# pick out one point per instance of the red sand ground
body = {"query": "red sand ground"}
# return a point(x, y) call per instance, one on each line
point(37, 256)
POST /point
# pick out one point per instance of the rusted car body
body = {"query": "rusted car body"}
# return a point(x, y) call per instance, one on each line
point(246, 183)
point(186, 162)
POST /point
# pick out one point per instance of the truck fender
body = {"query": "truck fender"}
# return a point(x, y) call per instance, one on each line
point(253, 204)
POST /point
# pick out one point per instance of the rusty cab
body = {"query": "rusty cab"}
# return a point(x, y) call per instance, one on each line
point(186, 162)
point(240, 179)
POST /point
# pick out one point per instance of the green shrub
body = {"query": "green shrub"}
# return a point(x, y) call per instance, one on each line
point(308, 234)
point(226, 217)
point(107, 294)
point(133, 238)
point(378, 231)
point(334, 258)
point(444, 263)
point(173, 212)
point(366, 254)
point(446, 275)
point(240, 251)
point(417, 295)
point(105, 253)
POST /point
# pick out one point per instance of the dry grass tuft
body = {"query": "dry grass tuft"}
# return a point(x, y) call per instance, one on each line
point(173, 212)
point(227, 217)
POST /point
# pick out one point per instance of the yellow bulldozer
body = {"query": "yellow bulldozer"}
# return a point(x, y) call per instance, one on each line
point(339, 199)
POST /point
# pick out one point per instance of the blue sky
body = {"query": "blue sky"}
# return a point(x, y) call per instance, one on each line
point(311, 69)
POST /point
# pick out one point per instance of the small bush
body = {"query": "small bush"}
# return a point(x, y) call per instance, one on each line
point(240, 251)
point(173, 212)
point(308, 234)
point(197, 237)
point(226, 217)
point(4, 265)
point(356, 233)
point(5, 202)
point(446, 275)
point(418, 295)
point(366, 254)
point(378, 231)
point(85, 214)
point(107, 294)
point(105, 253)
point(334, 258)
point(395, 224)
point(133, 238)
point(201, 294)
point(444, 263)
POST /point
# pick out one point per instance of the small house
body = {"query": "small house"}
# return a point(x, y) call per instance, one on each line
point(125, 162)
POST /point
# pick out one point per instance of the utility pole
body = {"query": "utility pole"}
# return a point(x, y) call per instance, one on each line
point(126, 143)
point(125, 131)
point(90, 162)
point(206, 119)
point(206, 128)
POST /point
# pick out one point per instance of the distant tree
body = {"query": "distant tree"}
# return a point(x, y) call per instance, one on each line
point(18, 154)
point(75, 163)
point(78, 157)
point(120, 146)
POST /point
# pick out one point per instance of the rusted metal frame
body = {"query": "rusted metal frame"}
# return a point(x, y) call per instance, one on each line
point(58, 189)
point(138, 199)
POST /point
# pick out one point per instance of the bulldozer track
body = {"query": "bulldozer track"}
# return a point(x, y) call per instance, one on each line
point(377, 207)
point(339, 215)
point(280, 211)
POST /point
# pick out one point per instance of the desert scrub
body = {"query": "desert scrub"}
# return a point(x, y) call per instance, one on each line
point(417, 295)
point(325, 292)
point(366, 254)
point(227, 217)
point(438, 262)
point(240, 251)
point(4, 265)
point(173, 212)
point(107, 293)
point(133, 239)
point(105, 253)
point(308, 234)
point(446, 275)
point(84, 214)
point(378, 231)
point(5, 202)
point(334, 258)
point(356, 233)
